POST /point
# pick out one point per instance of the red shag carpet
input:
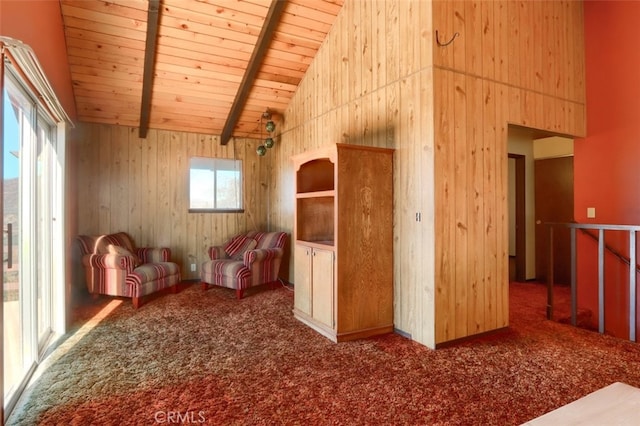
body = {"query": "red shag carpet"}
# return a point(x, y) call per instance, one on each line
point(207, 358)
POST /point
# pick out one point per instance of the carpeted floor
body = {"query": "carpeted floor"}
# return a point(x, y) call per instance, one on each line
point(206, 358)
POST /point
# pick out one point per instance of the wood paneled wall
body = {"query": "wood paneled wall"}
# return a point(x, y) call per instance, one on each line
point(140, 186)
point(380, 79)
point(512, 62)
point(372, 84)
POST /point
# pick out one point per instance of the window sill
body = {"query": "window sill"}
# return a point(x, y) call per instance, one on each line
point(216, 210)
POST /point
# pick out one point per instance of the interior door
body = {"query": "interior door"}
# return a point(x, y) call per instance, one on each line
point(554, 204)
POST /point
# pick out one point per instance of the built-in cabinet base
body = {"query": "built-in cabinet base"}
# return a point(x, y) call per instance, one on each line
point(332, 335)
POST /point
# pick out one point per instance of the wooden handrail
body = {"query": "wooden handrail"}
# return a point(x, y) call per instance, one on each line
point(611, 250)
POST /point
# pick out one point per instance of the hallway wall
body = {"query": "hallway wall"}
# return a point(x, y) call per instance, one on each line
point(606, 160)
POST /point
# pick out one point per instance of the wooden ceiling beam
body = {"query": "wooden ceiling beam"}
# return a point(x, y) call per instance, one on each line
point(153, 18)
point(264, 40)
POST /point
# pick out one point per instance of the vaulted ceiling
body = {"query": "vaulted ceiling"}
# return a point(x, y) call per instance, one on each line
point(206, 66)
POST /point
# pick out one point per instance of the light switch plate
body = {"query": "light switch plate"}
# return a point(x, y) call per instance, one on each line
point(591, 212)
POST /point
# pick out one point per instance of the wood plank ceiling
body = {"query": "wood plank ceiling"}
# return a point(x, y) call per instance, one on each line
point(202, 53)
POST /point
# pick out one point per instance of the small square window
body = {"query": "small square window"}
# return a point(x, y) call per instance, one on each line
point(215, 185)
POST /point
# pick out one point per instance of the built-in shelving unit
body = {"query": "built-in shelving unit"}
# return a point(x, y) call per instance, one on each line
point(343, 254)
point(315, 201)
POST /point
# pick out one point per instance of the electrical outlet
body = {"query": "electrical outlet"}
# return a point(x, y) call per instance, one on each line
point(193, 267)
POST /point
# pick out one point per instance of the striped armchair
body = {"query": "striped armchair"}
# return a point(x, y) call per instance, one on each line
point(113, 266)
point(246, 260)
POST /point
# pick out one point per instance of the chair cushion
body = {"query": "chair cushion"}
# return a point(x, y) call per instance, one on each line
point(271, 240)
point(87, 243)
point(118, 239)
point(155, 271)
point(151, 277)
point(113, 249)
point(238, 246)
point(250, 245)
point(214, 269)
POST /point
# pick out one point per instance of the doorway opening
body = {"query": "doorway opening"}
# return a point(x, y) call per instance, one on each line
point(540, 192)
point(517, 218)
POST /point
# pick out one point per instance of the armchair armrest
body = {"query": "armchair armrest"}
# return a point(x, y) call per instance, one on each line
point(217, 252)
point(109, 261)
point(153, 254)
point(261, 255)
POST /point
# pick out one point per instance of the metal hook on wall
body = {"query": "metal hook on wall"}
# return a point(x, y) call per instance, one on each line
point(441, 44)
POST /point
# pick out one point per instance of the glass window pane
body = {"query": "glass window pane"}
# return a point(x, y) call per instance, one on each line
point(18, 114)
point(228, 183)
point(43, 230)
point(201, 189)
point(215, 184)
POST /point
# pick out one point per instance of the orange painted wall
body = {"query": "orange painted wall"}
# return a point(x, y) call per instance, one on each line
point(608, 159)
point(38, 23)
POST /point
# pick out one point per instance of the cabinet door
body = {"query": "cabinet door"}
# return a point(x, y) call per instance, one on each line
point(322, 271)
point(302, 277)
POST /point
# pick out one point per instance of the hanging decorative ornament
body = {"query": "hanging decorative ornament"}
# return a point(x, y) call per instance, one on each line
point(271, 126)
point(269, 142)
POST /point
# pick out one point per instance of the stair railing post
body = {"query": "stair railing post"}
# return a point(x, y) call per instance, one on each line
point(550, 276)
point(632, 285)
point(601, 280)
point(574, 292)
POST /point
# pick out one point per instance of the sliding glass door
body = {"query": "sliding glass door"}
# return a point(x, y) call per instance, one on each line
point(43, 229)
point(28, 148)
point(18, 121)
